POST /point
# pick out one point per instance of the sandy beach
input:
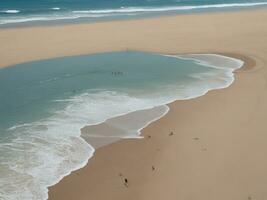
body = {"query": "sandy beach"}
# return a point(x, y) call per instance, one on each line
point(218, 146)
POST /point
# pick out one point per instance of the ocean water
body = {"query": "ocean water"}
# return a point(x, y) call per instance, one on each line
point(45, 104)
point(36, 12)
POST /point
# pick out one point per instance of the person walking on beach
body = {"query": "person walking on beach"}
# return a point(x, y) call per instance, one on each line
point(126, 182)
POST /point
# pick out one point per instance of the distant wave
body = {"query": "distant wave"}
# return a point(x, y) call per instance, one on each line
point(46, 18)
point(55, 8)
point(10, 11)
point(122, 11)
point(171, 8)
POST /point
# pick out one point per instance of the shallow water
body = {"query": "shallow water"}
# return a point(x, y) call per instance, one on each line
point(44, 104)
point(125, 126)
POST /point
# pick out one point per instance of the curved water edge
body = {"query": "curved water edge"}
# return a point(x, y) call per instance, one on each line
point(210, 60)
point(125, 126)
point(136, 112)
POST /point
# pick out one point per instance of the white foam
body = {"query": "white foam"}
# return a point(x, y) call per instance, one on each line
point(10, 11)
point(170, 8)
point(45, 151)
point(214, 61)
point(46, 18)
point(55, 8)
point(227, 64)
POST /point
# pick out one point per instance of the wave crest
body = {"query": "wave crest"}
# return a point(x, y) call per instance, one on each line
point(10, 11)
point(171, 8)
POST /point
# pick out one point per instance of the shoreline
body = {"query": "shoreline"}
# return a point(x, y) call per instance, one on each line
point(68, 181)
point(146, 134)
point(116, 137)
point(190, 166)
point(98, 144)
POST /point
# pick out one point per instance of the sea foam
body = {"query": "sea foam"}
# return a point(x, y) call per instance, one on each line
point(170, 8)
point(10, 11)
point(55, 8)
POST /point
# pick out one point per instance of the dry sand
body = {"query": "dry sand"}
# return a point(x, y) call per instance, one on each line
point(219, 147)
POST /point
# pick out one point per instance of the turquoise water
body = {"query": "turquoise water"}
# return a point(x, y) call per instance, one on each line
point(30, 12)
point(44, 104)
point(28, 89)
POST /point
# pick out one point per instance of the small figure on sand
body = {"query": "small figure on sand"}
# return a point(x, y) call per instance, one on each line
point(126, 182)
point(153, 168)
point(171, 133)
point(149, 136)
